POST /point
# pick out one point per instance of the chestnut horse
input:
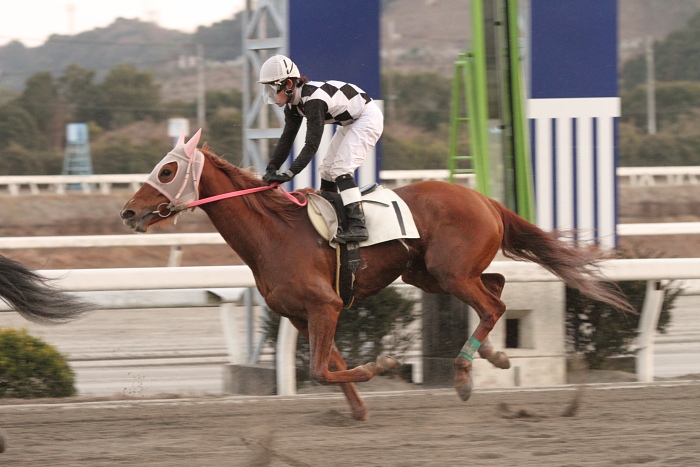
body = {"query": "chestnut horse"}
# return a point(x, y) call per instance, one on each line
point(34, 298)
point(460, 233)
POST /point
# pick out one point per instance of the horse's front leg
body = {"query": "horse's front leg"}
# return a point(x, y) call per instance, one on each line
point(337, 363)
point(322, 323)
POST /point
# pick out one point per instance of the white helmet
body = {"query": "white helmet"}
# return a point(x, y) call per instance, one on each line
point(278, 68)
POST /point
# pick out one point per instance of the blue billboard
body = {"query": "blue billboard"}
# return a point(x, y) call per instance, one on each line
point(573, 110)
point(336, 40)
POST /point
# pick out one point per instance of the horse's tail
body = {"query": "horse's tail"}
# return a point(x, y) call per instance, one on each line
point(577, 267)
point(33, 297)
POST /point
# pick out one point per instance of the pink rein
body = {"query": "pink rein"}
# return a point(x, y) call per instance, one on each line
point(248, 191)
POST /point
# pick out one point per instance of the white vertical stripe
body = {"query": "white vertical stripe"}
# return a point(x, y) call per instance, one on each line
point(595, 189)
point(564, 174)
point(606, 183)
point(585, 180)
point(543, 173)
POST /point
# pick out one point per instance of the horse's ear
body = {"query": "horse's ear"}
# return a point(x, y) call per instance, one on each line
point(192, 143)
point(181, 140)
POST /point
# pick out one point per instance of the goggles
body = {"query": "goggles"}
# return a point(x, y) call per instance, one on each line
point(270, 92)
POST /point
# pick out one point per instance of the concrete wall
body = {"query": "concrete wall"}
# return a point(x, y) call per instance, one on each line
point(540, 359)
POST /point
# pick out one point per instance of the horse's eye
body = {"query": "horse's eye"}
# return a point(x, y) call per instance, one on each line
point(167, 172)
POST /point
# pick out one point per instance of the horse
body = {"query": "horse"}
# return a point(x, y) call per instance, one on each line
point(35, 298)
point(460, 230)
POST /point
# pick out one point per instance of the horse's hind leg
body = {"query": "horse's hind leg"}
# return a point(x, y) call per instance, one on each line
point(337, 363)
point(490, 308)
point(494, 282)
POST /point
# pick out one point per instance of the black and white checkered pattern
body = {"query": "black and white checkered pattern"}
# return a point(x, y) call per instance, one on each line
point(344, 101)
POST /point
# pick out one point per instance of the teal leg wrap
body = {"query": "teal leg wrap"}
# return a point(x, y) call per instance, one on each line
point(470, 349)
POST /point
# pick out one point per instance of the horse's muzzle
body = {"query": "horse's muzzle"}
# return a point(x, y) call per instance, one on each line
point(134, 221)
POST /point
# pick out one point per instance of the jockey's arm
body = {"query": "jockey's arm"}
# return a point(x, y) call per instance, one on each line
point(292, 123)
point(315, 110)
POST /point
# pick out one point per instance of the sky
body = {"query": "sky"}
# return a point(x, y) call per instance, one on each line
point(33, 21)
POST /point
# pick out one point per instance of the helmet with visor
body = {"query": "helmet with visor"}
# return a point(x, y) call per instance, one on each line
point(274, 74)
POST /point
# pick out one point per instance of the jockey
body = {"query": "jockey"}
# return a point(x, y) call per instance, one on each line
point(323, 102)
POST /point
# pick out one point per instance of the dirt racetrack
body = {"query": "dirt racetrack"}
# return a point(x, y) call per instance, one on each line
point(611, 424)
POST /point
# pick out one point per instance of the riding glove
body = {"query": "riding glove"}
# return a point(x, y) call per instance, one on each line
point(278, 178)
point(270, 171)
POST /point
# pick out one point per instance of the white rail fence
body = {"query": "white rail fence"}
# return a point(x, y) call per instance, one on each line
point(213, 238)
point(207, 280)
point(105, 184)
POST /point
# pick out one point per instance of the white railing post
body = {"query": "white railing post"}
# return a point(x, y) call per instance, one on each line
point(234, 334)
point(175, 258)
point(651, 310)
point(286, 358)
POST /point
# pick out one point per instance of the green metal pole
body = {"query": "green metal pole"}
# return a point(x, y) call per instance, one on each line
point(523, 166)
point(479, 90)
point(458, 93)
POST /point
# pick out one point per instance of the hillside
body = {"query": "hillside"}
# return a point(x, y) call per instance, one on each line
point(418, 35)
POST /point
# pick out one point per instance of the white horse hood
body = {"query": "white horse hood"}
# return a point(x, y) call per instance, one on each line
point(184, 187)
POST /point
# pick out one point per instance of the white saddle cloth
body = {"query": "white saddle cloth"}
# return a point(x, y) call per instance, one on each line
point(386, 215)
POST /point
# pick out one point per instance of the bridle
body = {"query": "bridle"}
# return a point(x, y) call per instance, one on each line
point(232, 194)
point(192, 158)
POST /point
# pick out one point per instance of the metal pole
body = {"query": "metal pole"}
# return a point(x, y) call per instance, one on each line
point(201, 88)
point(524, 190)
point(651, 86)
point(286, 358)
point(653, 301)
point(481, 114)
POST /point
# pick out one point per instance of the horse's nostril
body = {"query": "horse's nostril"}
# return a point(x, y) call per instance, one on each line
point(127, 214)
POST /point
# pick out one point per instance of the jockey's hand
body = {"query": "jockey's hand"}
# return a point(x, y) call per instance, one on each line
point(279, 178)
point(270, 171)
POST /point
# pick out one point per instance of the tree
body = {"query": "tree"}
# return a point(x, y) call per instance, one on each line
point(40, 98)
point(31, 368)
point(127, 95)
point(422, 151)
point(80, 93)
point(18, 126)
point(675, 58)
point(673, 101)
point(120, 155)
point(598, 331)
point(225, 135)
point(422, 99)
point(363, 332)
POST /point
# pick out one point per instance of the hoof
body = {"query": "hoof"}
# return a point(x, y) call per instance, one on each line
point(499, 360)
point(464, 391)
point(360, 414)
point(387, 363)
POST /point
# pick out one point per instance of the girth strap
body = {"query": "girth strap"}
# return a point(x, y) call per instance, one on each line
point(348, 263)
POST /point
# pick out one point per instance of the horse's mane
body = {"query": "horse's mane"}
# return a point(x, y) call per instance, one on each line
point(265, 202)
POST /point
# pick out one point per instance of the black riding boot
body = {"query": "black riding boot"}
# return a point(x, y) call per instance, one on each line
point(327, 185)
point(356, 231)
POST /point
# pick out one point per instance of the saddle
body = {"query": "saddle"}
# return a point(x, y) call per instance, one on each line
point(387, 218)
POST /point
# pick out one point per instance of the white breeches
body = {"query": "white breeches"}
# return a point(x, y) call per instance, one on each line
point(351, 143)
